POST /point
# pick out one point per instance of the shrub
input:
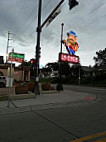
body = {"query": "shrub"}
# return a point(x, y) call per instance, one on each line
point(45, 86)
point(30, 86)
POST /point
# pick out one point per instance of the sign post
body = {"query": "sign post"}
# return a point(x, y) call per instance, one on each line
point(59, 85)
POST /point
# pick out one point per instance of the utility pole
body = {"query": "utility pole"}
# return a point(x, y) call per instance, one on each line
point(8, 45)
point(10, 73)
point(10, 83)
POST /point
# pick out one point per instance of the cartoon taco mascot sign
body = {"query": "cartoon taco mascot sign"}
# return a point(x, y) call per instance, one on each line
point(71, 43)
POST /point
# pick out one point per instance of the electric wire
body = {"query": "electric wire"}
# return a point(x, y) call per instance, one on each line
point(88, 14)
point(93, 22)
point(24, 7)
point(35, 18)
point(85, 26)
point(29, 16)
point(44, 9)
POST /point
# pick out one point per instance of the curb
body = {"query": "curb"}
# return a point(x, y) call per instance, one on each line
point(22, 109)
point(38, 107)
point(4, 111)
point(25, 96)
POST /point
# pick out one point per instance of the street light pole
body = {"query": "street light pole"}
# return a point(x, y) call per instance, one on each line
point(79, 78)
point(59, 85)
point(36, 86)
point(39, 28)
point(61, 35)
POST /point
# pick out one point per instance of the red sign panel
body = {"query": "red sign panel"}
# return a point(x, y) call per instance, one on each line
point(68, 58)
point(16, 60)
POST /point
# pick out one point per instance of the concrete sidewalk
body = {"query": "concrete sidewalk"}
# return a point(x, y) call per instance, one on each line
point(47, 99)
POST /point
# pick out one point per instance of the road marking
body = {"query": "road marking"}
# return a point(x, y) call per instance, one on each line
point(91, 137)
point(102, 140)
point(89, 98)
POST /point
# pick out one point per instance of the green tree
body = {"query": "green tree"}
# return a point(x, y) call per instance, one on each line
point(65, 69)
point(100, 59)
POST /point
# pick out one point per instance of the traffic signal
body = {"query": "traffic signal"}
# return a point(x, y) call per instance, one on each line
point(33, 62)
point(72, 3)
point(38, 52)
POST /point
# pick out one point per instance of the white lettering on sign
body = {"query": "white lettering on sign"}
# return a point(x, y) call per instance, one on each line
point(68, 58)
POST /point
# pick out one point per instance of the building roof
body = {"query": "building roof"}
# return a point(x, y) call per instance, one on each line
point(100, 68)
point(87, 68)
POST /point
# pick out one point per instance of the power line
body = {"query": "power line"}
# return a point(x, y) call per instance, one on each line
point(92, 11)
point(35, 18)
point(28, 19)
point(94, 21)
point(29, 16)
point(44, 9)
point(20, 12)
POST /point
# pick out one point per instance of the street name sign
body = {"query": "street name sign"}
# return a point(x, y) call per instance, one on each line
point(53, 16)
point(16, 57)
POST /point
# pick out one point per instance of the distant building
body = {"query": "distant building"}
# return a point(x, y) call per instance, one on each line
point(87, 71)
point(99, 69)
point(18, 73)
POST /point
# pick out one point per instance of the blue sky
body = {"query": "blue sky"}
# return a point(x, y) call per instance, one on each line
point(19, 17)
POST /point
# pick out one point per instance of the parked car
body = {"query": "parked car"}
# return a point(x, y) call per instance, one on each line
point(2, 81)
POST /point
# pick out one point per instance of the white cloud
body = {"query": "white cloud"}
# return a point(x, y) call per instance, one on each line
point(87, 20)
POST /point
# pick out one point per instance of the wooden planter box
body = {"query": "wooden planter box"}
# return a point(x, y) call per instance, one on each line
point(21, 89)
point(45, 86)
point(30, 86)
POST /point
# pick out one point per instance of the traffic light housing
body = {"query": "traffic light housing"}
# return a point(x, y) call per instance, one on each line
point(38, 52)
point(73, 3)
point(33, 62)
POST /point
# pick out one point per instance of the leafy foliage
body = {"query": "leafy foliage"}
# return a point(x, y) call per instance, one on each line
point(101, 58)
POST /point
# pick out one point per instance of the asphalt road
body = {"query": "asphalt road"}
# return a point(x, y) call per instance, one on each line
point(93, 90)
point(61, 124)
